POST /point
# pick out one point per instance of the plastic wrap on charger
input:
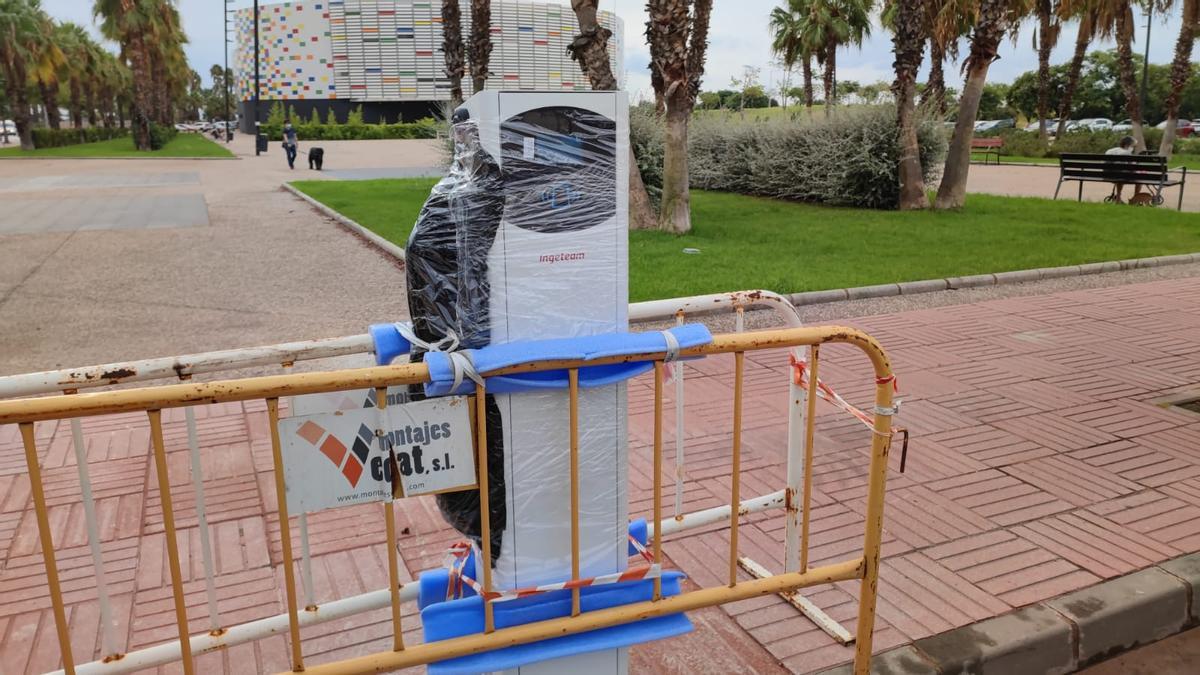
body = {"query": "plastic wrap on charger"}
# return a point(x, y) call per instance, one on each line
point(526, 239)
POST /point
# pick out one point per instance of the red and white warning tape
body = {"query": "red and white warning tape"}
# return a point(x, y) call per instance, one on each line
point(800, 378)
point(456, 560)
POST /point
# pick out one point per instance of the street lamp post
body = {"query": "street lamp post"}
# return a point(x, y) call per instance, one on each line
point(225, 76)
point(257, 150)
point(1146, 61)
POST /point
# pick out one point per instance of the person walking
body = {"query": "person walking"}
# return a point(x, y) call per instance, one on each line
point(290, 143)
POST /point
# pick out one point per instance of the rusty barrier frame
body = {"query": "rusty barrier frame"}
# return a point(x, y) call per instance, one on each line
point(152, 400)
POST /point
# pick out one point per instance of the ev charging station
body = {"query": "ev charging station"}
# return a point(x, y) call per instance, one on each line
point(523, 244)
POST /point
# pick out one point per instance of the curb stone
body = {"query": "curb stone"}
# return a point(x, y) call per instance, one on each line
point(378, 241)
point(859, 292)
point(1062, 634)
point(983, 280)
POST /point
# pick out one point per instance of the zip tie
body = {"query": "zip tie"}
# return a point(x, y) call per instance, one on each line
point(672, 352)
point(448, 343)
point(463, 365)
point(880, 410)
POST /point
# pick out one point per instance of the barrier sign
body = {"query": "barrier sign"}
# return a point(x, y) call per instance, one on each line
point(343, 458)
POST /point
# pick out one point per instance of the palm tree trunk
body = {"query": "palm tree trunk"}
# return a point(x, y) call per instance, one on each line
point(1082, 39)
point(590, 49)
point(1044, 43)
point(675, 209)
point(76, 103)
point(828, 77)
point(142, 106)
point(1181, 72)
point(935, 88)
point(1133, 103)
point(452, 48)
point(909, 49)
point(19, 108)
point(93, 119)
point(481, 42)
point(808, 84)
point(50, 103)
point(989, 30)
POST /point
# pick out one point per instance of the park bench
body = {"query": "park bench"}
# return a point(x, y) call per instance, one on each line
point(1148, 170)
point(987, 146)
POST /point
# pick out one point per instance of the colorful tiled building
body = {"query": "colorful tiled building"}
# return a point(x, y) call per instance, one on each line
point(385, 55)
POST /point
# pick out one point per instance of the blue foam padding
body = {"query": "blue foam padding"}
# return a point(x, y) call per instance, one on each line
point(639, 531)
point(389, 343)
point(585, 348)
point(456, 618)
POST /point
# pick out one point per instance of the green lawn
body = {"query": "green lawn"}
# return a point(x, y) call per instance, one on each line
point(183, 145)
point(1192, 162)
point(749, 242)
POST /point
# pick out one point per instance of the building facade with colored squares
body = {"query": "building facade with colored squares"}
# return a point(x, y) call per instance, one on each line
point(386, 55)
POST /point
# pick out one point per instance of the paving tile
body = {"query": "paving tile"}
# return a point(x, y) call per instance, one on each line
point(1136, 462)
point(1001, 498)
point(991, 446)
point(1159, 516)
point(1071, 480)
point(986, 406)
point(1095, 543)
point(1055, 431)
point(918, 516)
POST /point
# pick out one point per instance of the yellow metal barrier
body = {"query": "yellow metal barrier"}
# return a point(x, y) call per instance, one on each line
point(152, 400)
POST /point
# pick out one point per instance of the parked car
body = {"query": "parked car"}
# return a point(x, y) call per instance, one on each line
point(9, 127)
point(985, 126)
point(1123, 125)
point(1183, 128)
point(1092, 124)
point(1051, 126)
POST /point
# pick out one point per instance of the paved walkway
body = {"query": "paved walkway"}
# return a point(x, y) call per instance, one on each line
point(104, 260)
point(1038, 465)
point(1024, 180)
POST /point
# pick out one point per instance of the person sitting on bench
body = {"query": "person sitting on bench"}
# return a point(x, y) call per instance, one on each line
point(1125, 147)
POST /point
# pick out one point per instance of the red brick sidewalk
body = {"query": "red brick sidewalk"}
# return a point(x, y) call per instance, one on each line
point(1037, 466)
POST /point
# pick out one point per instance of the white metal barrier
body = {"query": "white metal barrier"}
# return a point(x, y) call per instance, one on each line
point(72, 380)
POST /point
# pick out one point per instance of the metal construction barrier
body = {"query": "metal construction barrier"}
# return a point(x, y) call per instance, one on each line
point(804, 389)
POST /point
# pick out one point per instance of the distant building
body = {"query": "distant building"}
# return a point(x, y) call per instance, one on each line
point(386, 55)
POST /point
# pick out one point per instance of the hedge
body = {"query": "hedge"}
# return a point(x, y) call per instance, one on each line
point(1020, 143)
point(425, 128)
point(57, 138)
point(850, 159)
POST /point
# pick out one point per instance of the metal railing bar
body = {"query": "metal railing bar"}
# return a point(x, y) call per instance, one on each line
point(810, 417)
point(273, 386)
point(46, 538)
point(797, 421)
point(210, 587)
point(306, 578)
point(168, 513)
point(679, 421)
point(658, 450)
point(485, 515)
point(601, 618)
point(389, 513)
point(258, 629)
point(285, 535)
point(573, 415)
point(107, 638)
point(739, 369)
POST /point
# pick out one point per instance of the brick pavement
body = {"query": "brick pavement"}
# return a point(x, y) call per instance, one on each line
point(1038, 465)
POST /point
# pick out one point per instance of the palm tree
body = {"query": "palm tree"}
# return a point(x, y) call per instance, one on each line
point(788, 45)
point(992, 19)
point(828, 25)
point(23, 38)
point(1085, 11)
point(1181, 72)
point(452, 48)
point(129, 22)
point(677, 31)
point(1044, 41)
point(481, 42)
point(83, 58)
point(909, 24)
point(49, 60)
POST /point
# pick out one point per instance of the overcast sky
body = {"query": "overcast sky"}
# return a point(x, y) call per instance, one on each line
point(739, 37)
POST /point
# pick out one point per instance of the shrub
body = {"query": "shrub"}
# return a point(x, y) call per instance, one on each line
point(160, 135)
point(57, 138)
point(315, 119)
point(848, 160)
point(425, 128)
point(275, 115)
point(355, 118)
point(1022, 143)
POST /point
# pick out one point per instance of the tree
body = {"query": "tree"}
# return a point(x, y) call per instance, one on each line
point(481, 42)
point(24, 34)
point(50, 63)
point(590, 50)
point(909, 25)
point(1044, 40)
point(452, 48)
point(992, 19)
point(787, 43)
point(748, 81)
point(677, 31)
point(1181, 72)
point(1085, 12)
point(128, 22)
point(829, 24)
